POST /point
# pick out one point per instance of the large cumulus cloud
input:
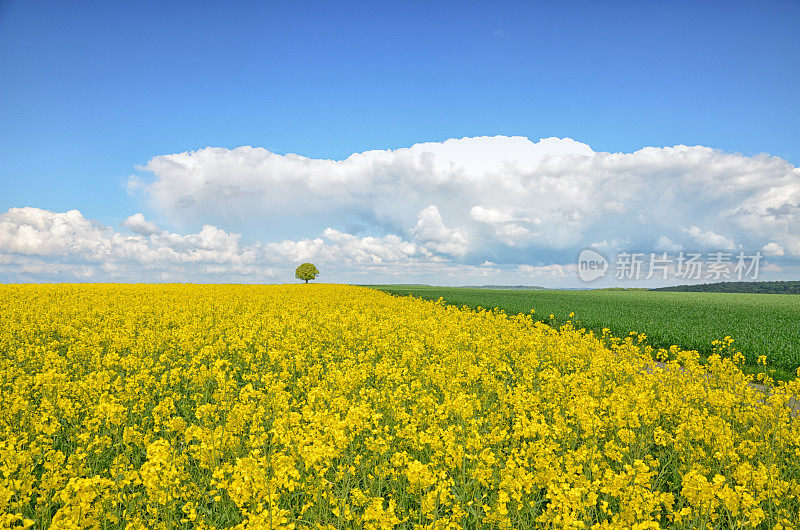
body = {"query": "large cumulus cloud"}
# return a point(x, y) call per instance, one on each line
point(506, 199)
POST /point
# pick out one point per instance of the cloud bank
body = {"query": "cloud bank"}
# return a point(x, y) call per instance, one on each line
point(482, 198)
point(41, 245)
point(471, 210)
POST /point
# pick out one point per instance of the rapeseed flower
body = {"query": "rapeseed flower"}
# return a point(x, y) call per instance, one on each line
point(325, 406)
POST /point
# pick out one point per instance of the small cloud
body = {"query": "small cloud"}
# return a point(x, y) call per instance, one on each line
point(665, 244)
point(134, 184)
point(615, 245)
point(489, 215)
point(710, 239)
point(554, 270)
point(773, 249)
point(138, 224)
point(499, 33)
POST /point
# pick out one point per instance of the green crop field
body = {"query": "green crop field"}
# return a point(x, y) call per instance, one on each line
point(760, 324)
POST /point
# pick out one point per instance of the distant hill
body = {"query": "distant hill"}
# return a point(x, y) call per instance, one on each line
point(424, 286)
point(519, 287)
point(792, 287)
point(623, 289)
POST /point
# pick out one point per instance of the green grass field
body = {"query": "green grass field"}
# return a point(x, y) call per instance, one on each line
point(760, 324)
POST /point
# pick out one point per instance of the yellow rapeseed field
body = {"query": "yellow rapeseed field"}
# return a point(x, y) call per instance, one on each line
point(323, 406)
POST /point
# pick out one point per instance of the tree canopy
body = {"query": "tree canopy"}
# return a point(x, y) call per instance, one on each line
point(306, 271)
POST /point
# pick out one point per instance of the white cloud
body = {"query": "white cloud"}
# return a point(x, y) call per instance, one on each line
point(297, 251)
point(45, 242)
point(67, 245)
point(615, 245)
point(438, 209)
point(134, 184)
point(514, 235)
point(431, 231)
point(665, 244)
point(552, 270)
point(489, 215)
point(31, 231)
point(138, 224)
point(511, 230)
point(498, 195)
point(42, 245)
point(387, 249)
point(709, 240)
point(773, 249)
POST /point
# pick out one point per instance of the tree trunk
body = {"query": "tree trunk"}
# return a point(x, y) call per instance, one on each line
point(306, 280)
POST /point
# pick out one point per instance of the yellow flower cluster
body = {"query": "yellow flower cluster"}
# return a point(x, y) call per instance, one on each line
point(324, 406)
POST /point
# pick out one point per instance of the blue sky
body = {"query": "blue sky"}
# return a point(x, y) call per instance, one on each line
point(93, 91)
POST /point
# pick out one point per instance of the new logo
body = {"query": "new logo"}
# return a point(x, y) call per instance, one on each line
point(591, 265)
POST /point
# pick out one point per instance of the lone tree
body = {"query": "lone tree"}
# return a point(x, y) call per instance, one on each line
point(306, 271)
